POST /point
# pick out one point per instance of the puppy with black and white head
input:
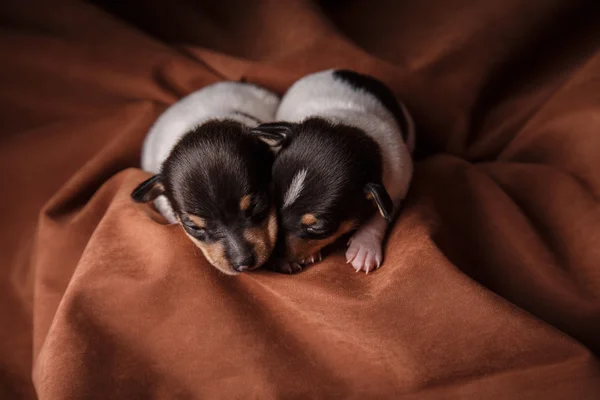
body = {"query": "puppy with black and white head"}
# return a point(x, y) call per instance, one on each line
point(212, 176)
point(344, 164)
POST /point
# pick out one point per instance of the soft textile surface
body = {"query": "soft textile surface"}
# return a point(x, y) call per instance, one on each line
point(491, 285)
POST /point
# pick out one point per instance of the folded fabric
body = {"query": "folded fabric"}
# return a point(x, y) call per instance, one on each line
point(490, 288)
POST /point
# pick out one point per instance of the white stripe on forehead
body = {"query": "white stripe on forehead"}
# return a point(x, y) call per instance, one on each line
point(295, 188)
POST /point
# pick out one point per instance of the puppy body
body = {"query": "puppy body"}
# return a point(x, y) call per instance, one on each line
point(349, 136)
point(337, 97)
point(212, 176)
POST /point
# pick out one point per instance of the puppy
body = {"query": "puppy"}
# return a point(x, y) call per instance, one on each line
point(345, 152)
point(212, 176)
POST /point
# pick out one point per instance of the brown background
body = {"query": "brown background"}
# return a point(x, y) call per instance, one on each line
point(491, 286)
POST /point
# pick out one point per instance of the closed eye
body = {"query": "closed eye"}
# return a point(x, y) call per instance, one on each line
point(317, 232)
point(195, 231)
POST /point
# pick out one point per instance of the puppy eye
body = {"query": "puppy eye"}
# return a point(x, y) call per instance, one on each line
point(196, 231)
point(313, 229)
point(317, 231)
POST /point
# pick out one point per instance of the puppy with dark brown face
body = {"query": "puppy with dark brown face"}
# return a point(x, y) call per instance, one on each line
point(212, 176)
point(345, 153)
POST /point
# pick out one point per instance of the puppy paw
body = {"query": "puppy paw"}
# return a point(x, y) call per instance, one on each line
point(315, 258)
point(364, 251)
point(286, 267)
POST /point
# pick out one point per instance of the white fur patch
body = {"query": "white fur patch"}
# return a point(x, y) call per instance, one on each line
point(222, 100)
point(295, 188)
point(245, 103)
point(321, 94)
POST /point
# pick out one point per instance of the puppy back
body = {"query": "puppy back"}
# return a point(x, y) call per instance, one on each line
point(242, 102)
point(346, 96)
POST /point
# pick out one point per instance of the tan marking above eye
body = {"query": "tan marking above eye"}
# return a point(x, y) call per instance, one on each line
point(309, 219)
point(245, 202)
point(200, 222)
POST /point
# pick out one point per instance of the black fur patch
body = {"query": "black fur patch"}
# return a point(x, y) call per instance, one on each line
point(275, 133)
point(340, 161)
point(148, 190)
point(380, 91)
point(382, 199)
point(207, 173)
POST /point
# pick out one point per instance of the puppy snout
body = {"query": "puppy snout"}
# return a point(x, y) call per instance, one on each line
point(243, 262)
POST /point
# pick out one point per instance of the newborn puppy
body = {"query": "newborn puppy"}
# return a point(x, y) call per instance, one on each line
point(346, 146)
point(212, 176)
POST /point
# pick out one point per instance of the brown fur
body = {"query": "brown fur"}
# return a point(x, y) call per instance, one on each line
point(245, 202)
point(300, 249)
point(309, 219)
point(157, 189)
point(263, 238)
point(215, 254)
point(200, 222)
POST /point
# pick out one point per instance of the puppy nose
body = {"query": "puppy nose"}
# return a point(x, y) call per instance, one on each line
point(243, 263)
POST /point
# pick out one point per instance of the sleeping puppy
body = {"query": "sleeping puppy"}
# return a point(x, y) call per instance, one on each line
point(345, 152)
point(212, 176)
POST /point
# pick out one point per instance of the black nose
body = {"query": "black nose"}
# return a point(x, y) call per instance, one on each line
point(243, 263)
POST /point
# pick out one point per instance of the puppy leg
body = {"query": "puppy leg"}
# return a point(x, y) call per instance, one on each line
point(292, 267)
point(364, 247)
point(284, 267)
point(313, 259)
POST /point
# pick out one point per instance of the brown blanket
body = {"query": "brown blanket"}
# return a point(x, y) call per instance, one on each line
point(491, 284)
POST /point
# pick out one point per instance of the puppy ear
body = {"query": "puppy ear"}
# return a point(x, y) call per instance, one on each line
point(148, 190)
point(380, 196)
point(275, 134)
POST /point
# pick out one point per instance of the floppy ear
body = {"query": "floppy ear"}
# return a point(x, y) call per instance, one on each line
point(148, 190)
point(275, 134)
point(380, 196)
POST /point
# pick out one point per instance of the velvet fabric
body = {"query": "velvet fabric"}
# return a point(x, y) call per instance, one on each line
point(490, 287)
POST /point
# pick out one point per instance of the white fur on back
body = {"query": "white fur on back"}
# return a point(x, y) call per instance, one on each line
point(322, 95)
point(217, 101)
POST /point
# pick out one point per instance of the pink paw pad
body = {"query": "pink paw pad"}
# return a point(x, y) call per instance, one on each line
point(364, 252)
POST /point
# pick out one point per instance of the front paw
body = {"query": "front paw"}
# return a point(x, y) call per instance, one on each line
point(315, 258)
point(285, 267)
point(364, 252)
